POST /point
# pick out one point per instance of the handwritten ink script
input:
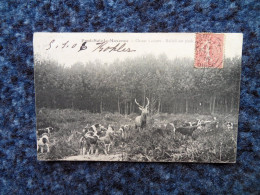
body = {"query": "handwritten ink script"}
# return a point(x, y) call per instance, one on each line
point(104, 47)
point(100, 46)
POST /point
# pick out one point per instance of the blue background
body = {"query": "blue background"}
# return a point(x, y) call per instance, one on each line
point(20, 171)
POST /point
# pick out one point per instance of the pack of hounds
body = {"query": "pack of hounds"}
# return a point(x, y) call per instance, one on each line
point(93, 138)
point(96, 138)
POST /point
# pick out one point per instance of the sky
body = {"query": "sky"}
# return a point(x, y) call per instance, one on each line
point(67, 48)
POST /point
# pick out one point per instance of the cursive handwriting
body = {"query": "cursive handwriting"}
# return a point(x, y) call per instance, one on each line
point(64, 45)
point(119, 47)
point(103, 46)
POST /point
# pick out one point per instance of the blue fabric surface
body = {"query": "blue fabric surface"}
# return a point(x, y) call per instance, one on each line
point(21, 173)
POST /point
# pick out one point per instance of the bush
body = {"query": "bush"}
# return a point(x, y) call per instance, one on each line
point(154, 143)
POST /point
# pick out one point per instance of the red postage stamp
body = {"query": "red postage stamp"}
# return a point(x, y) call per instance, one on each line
point(209, 50)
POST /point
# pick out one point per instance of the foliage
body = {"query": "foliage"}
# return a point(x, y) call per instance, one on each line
point(172, 86)
point(155, 143)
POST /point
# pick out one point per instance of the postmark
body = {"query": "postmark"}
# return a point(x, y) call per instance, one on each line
point(209, 50)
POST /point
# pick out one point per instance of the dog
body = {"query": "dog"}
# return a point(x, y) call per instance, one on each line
point(105, 142)
point(43, 143)
point(88, 143)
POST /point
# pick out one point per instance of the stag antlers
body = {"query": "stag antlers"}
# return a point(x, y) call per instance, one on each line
point(141, 107)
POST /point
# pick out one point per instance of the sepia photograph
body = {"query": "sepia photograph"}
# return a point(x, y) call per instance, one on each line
point(137, 97)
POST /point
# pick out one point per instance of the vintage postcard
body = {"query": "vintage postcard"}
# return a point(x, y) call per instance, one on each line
point(138, 97)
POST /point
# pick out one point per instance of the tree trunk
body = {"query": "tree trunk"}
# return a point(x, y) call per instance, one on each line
point(210, 104)
point(144, 97)
point(118, 104)
point(186, 106)
point(231, 104)
point(101, 105)
point(159, 105)
point(125, 107)
point(213, 104)
point(130, 104)
point(72, 103)
point(226, 105)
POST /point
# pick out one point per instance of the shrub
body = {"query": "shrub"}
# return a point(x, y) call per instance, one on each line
point(154, 143)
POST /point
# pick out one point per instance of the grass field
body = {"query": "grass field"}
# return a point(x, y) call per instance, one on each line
point(154, 143)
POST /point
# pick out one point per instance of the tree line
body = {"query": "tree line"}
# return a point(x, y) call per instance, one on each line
point(172, 86)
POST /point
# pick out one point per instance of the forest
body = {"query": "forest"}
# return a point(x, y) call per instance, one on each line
point(172, 86)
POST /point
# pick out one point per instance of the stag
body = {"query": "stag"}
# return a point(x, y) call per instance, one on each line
point(140, 121)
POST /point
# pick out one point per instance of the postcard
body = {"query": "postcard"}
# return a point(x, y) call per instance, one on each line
point(137, 97)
